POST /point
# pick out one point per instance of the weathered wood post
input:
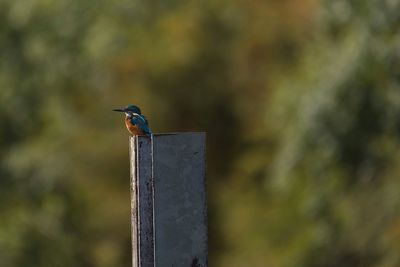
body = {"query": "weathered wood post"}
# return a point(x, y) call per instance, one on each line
point(168, 200)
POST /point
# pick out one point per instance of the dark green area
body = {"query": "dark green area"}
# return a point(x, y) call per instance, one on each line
point(300, 101)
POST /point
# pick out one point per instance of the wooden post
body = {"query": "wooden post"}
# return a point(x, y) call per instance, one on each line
point(168, 200)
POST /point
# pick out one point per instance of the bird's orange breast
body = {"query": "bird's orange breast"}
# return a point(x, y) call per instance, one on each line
point(133, 129)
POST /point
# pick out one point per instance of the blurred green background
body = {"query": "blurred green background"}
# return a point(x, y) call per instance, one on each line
point(300, 101)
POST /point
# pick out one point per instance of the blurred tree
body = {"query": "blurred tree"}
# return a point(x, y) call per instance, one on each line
point(329, 198)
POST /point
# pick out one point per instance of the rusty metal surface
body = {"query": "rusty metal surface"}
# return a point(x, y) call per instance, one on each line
point(144, 201)
point(134, 212)
point(168, 188)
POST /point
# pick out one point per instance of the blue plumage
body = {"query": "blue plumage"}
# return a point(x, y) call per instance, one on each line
point(141, 122)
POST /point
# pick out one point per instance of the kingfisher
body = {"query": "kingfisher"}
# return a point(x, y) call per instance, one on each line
point(135, 122)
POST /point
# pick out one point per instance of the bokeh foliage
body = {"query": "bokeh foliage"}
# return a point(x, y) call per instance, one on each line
point(300, 101)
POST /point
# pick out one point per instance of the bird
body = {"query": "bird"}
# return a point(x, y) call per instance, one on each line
point(135, 122)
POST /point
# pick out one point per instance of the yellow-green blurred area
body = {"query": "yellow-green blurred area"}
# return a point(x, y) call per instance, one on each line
point(300, 100)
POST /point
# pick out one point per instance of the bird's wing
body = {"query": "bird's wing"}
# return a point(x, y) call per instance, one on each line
point(142, 122)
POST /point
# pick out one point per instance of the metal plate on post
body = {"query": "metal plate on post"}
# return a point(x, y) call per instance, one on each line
point(180, 200)
point(144, 197)
point(169, 192)
point(134, 212)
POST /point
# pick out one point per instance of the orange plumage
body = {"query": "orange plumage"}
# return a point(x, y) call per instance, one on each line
point(133, 129)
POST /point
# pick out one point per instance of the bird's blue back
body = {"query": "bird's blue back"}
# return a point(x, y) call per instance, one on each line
point(141, 122)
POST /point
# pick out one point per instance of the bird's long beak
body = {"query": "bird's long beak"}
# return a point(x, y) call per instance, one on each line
point(119, 110)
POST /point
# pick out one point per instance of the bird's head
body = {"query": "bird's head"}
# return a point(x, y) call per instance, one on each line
point(129, 110)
